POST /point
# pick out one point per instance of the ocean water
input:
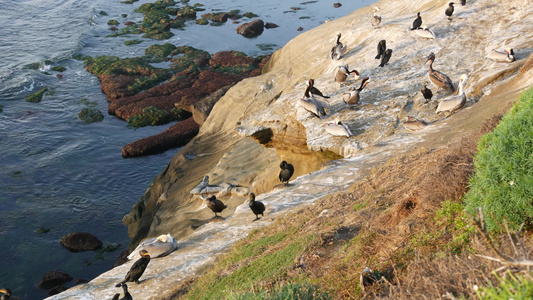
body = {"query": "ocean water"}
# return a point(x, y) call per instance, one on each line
point(59, 175)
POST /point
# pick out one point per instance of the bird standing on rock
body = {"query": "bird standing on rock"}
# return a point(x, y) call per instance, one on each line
point(137, 269)
point(352, 96)
point(440, 80)
point(286, 172)
point(449, 10)
point(311, 90)
point(386, 57)
point(257, 207)
point(127, 295)
point(342, 72)
point(382, 47)
point(376, 20)
point(428, 94)
point(215, 205)
point(339, 49)
point(417, 22)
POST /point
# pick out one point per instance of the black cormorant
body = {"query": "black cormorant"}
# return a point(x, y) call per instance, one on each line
point(449, 10)
point(137, 269)
point(257, 207)
point(417, 22)
point(428, 94)
point(215, 205)
point(386, 57)
point(382, 46)
point(286, 172)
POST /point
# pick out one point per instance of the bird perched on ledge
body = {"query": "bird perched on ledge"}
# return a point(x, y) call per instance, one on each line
point(137, 269)
point(352, 95)
point(127, 295)
point(417, 22)
point(215, 205)
point(286, 172)
point(376, 20)
point(439, 79)
point(339, 49)
point(257, 207)
point(382, 46)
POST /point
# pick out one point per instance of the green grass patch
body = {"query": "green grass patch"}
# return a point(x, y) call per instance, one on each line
point(510, 287)
point(265, 258)
point(503, 181)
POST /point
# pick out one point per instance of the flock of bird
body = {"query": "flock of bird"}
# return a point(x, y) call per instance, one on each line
point(317, 104)
point(167, 243)
point(313, 101)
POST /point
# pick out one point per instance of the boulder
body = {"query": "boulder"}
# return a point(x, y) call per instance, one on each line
point(81, 241)
point(175, 136)
point(54, 279)
point(269, 25)
point(251, 29)
point(201, 109)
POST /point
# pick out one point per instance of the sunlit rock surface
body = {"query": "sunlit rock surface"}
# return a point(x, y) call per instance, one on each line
point(235, 143)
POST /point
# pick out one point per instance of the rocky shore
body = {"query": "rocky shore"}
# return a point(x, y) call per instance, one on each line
point(257, 123)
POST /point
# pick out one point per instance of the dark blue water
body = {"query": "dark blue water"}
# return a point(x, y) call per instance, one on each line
point(60, 174)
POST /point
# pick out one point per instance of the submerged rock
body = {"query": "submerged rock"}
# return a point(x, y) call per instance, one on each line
point(90, 115)
point(53, 279)
point(37, 96)
point(80, 241)
point(251, 29)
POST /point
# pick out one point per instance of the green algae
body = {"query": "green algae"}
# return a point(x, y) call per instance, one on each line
point(187, 57)
point(187, 12)
point(37, 96)
point(90, 115)
point(153, 115)
point(132, 42)
point(147, 82)
point(202, 21)
point(103, 13)
point(112, 22)
point(1, 108)
point(115, 66)
point(158, 53)
point(59, 69)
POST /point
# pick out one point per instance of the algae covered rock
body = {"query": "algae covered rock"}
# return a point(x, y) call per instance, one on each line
point(58, 69)
point(187, 12)
point(251, 29)
point(37, 96)
point(157, 53)
point(90, 115)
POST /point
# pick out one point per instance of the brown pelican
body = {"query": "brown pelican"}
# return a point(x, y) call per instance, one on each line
point(311, 90)
point(341, 73)
point(454, 102)
point(159, 246)
point(385, 57)
point(502, 56)
point(428, 94)
point(376, 20)
point(311, 104)
point(425, 32)
point(137, 269)
point(286, 172)
point(449, 10)
point(215, 205)
point(338, 128)
point(352, 95)
point(382, 46)
point(413, 124)
point(339, 49)
point(257, 207)
point(417, 22)
point(440, 80)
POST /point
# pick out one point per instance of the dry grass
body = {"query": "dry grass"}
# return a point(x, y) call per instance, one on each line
point(387, 222)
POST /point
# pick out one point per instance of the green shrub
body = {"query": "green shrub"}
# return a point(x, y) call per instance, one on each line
point(503, 181)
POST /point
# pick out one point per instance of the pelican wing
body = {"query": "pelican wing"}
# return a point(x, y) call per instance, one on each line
point(155, 247)
point(442, 79)
point(452, 103)
point(500, 56)
point(425, 33)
